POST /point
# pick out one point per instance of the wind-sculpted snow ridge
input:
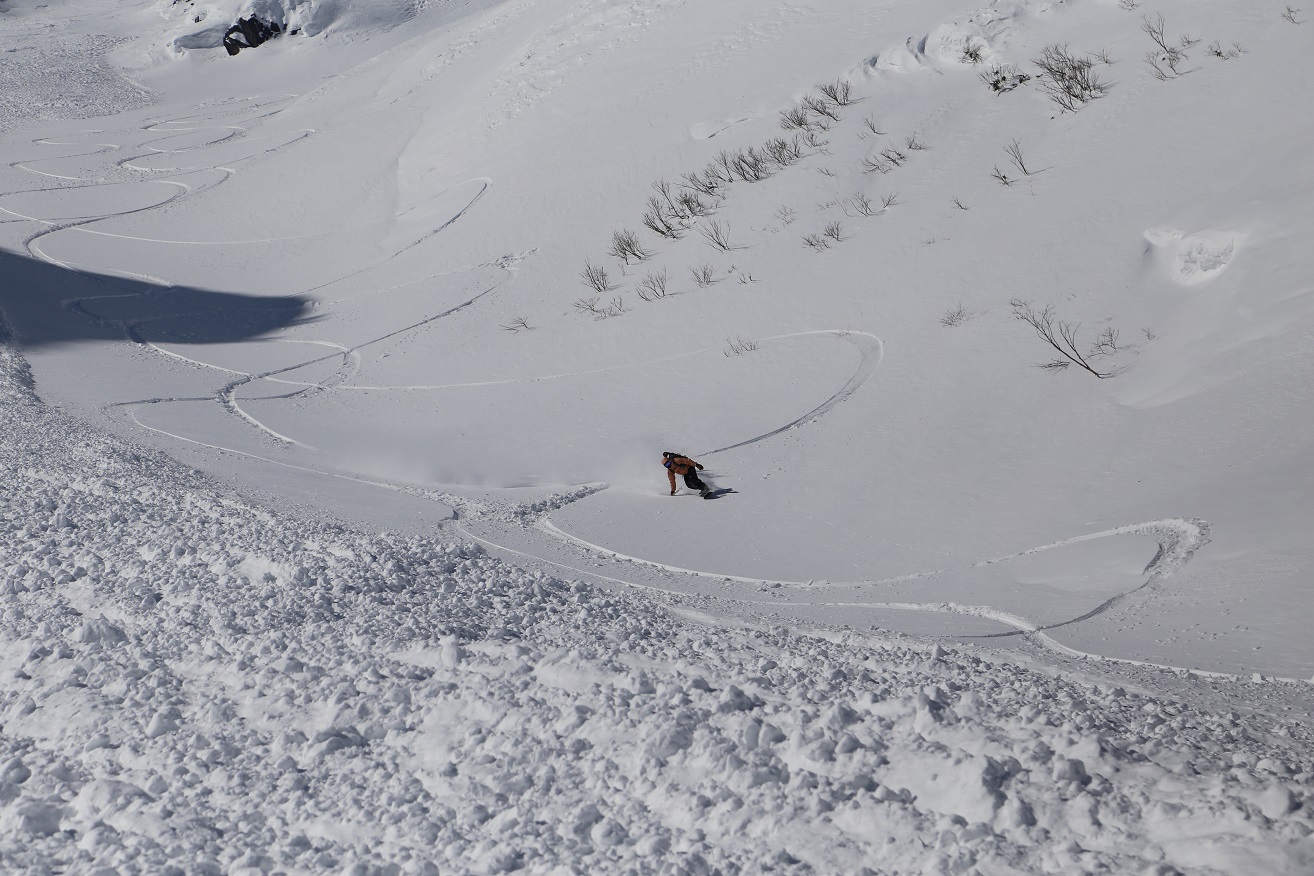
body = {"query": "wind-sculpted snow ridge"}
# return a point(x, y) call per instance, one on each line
point(193, 685)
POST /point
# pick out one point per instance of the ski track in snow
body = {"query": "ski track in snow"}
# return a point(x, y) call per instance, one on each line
point(871, 348)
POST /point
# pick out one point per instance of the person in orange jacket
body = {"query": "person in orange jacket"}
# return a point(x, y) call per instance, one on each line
point(679, 464)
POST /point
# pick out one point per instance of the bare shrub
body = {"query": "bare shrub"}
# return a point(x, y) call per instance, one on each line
point(704, 184)
point(875, 164)
point(835, 231)
point(888, 201)
point(955, 317)
point(703, 275)
point(1069, 80)
point(912, 144)
point(795, 118)
point(738, 346)
point(588, 305)
point(613, 308)
point(786, 215)
point(659, 221)
point(1001, 176)
point(1166, 60)
point(893, 156)
point(971, 53)
point(1216, 50)
point(816, 242)
point(717, 236)
point(625, 245)
point(1060, 335)
point(1290, 13)
point(1103, 57)
point(518, 324)
point(595, 277)
point(839, 92)
point(960, 205)
point(1129, 5)
point(870, 124)
point(862, 205)
point(1014, 151)
point(813, 138)
point(819, 106)
point(784, 152)
point(1000, 78)
point(653, 286)
point(1106, 343)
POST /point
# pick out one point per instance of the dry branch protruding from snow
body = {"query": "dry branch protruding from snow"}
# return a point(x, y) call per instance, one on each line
point(739, 346)
point(625, 245)
point(1062, 336)
point(1069, 80)
point(653, 286)
point(595, 277)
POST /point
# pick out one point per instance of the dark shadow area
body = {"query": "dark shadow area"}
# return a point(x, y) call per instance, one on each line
point(48, 306)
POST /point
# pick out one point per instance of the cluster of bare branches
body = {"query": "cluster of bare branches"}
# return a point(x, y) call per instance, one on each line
point(815, 113)
point(839, 92)
point(625, 245)
point(1069, 80)
point(816, 242)
point(704, 275)
point(739, 346)
point(955, 317)
point(653, 286)
point(1000, 78)
point(863, 205)
point(518, 324)
point(1216, 50)
point(1062, 337)
point(670, 212)
point(595, 277)
point(593, 306)
point(1290, 13)
point(1166, 59)
point(971, 53)
point(717, 236)
point(1018, 160)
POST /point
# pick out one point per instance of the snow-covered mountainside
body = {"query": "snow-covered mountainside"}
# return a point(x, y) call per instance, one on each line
point(337, 372)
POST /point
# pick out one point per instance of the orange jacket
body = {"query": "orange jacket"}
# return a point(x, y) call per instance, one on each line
point(678, 465)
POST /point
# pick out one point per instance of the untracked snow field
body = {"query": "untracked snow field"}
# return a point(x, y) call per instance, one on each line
point(335, 376)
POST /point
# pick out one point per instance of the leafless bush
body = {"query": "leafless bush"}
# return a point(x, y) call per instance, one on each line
point(595, 277)
point(786, 215)
point(1290, 13)
point(653, 286)
point(709, 184)
point(784, 152)
point(821, 107)
point(1129, 5)
point(862, 205)
point(875, 164)
point(588, 305)
point(1106, 343)
point(825, 171)
point(795, 118)
point(912, 144)
point(717, 236)
point(835, 231)
point(960, 205)
point(839, 92)
point(888, 201)
point(1069, 80)
point(1166, 59)
point(518, 324)
point(1060, 335)
point(739, 346)
point(893, 156)
point(870, 124)
point(1003, 77)
point(813, 138)
point(614, 308)
point(625, 245)
point(1003, 178)
point(704, 275)
point(1103, 57)
point(748, 165)
point(1014, 151)
point(1149, 335)
point(1216, 49)
point(956, 317)
point(971, 53)
point(816, 242)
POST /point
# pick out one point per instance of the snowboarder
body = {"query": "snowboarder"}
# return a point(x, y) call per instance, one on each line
point(679, 464)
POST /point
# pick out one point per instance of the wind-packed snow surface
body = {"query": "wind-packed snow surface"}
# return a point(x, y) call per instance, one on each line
point(336, 373)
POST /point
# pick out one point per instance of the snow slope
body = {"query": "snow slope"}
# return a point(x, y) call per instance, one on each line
point(342, 273)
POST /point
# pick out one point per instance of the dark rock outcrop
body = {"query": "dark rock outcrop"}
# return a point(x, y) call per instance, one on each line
point(248, 33)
